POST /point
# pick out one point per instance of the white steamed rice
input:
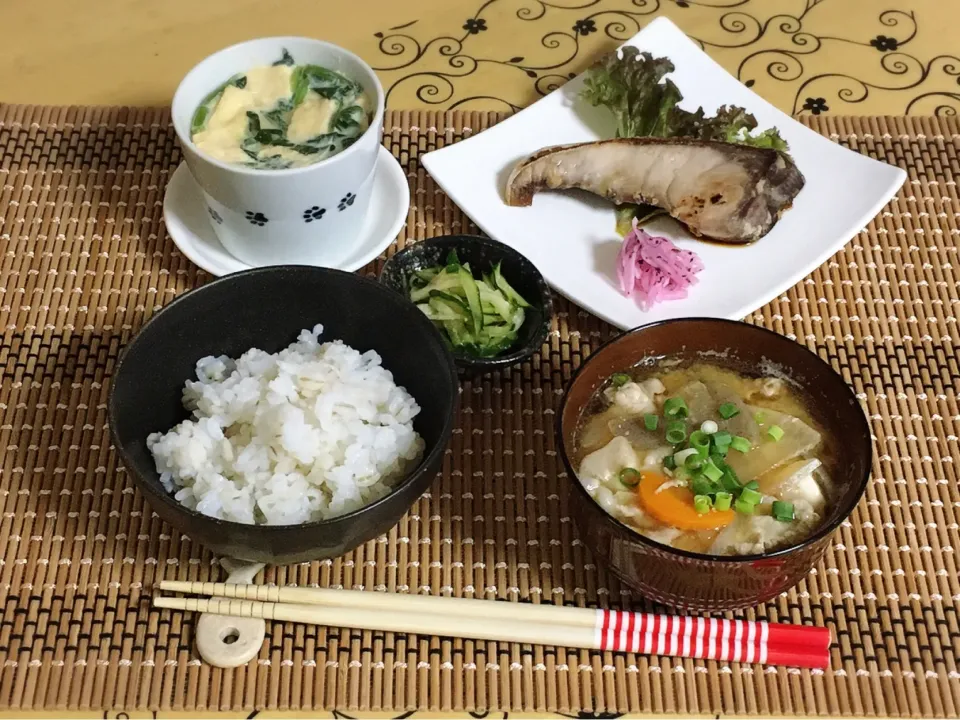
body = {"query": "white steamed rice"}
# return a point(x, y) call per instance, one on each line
point(312, 432)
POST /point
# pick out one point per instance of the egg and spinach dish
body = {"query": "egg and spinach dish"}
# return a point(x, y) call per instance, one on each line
point(281, 116)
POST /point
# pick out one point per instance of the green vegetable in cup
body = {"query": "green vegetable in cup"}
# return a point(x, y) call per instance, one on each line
point(480, 317)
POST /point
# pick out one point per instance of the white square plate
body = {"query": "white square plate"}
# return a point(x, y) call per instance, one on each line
point(571, 238)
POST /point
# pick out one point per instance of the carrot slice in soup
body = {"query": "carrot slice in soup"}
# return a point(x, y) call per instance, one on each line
point(673, 506)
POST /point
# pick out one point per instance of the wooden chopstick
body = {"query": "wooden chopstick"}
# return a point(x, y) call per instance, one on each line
point(364, 619)
point(601, 629)
point(503, 630)
point(392, 602)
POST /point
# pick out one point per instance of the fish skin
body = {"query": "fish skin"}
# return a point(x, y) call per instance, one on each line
point(721, 191)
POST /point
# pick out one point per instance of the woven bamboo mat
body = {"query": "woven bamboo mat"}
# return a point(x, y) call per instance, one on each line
point(85, 260)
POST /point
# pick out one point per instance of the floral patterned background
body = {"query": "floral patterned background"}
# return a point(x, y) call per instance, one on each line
point(805, 56)
point(862, 57)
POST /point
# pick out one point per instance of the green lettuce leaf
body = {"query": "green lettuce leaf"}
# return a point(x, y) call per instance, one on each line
point(634, 87)
point(632, 90)
point(735, 125)
point(767, 139)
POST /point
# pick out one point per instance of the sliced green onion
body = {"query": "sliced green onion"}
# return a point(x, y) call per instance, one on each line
point(751, 496)
point(702, 486)
point(783, 510)
point(743, 507)
point(669, 463)
point(682, 455)
point(721, 437)
point(701, 503)
point(752, 485)
point(676, 432)
point(718, 458)
point(729, 482)
point(723, 500)
point(620, 379)
point(693, 463)
point(650, 421)
point(760, 418)
point(712, 471)
point(629, 477)
point(675, 407)
point(709, 427)
point(775, 432)
point(740, 444)
point(701, 441)
point(728, 410)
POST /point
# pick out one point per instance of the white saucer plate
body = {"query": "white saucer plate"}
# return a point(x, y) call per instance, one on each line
point(570, 237)
point(189, 226)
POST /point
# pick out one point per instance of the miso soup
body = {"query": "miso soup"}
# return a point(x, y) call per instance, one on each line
point(706, 459)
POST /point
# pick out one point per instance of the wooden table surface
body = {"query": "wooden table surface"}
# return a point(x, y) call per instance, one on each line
point(840, 56)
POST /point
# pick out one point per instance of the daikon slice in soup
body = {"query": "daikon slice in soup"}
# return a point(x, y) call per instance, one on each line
point(706, 459)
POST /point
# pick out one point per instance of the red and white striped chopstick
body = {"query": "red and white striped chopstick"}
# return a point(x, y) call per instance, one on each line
point(712, 638)
point(615, 630)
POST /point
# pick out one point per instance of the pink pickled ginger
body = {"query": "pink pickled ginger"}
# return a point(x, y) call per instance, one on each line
point(653, 269)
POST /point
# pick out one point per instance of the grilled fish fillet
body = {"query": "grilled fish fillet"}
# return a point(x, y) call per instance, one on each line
point(720, 191)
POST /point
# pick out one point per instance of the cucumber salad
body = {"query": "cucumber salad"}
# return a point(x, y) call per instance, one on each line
point(480, 317)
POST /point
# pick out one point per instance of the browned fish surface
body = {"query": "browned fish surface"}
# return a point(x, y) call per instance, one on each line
point(724, 192)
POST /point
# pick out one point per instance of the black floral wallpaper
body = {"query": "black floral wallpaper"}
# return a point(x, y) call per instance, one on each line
point(805, 56)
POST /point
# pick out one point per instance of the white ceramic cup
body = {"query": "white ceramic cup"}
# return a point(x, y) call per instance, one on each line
point(308, 215)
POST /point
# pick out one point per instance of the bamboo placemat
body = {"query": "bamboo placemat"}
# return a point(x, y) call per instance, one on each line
point(85, 260)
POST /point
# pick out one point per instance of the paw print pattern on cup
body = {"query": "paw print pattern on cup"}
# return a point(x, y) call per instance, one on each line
point(256, 218)
point(215, 216)
point(346, 201)
point(314, 213)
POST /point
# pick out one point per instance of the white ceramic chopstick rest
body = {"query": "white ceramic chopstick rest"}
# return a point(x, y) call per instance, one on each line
point(226, 641)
